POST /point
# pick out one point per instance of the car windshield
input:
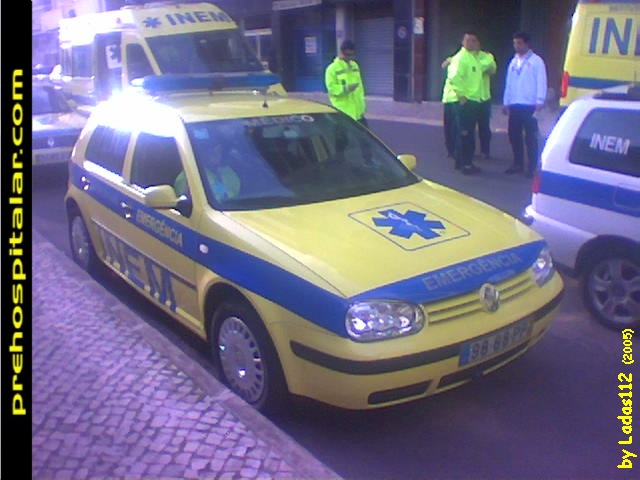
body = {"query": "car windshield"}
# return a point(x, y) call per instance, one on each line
point(276, 161)
point(46, 99)
point(204, 52)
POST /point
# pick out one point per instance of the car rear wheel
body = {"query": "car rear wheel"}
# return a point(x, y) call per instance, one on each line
point(246, 356)
point(82, 250)
point(611, 289)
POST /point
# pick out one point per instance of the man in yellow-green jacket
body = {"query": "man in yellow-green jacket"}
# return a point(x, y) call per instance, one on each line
point(344, 85)
point(465, 84)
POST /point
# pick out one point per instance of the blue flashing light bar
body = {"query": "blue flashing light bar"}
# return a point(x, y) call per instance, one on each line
point(211, 82)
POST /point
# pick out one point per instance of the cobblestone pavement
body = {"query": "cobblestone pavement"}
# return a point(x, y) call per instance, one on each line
point(113, 398)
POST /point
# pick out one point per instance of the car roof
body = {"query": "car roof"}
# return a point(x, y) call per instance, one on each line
point(630, 93)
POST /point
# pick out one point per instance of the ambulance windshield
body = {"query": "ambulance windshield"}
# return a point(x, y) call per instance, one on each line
point(204, 52)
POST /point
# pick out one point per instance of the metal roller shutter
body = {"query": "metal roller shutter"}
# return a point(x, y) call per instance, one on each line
point(374, 49)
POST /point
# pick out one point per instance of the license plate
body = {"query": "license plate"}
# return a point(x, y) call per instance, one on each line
point(494, 343)
point(53, 157)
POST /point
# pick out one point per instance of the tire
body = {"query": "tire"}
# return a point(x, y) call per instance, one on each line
point(82, 250)
point(246, 357)
point(611, 289)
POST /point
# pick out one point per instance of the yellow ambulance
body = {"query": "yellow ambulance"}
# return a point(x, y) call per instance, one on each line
point(101, 53)
point(309, 256)
point(603, 49)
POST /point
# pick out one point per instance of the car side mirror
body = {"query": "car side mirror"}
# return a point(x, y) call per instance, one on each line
point(408, 160)
point(160, 197)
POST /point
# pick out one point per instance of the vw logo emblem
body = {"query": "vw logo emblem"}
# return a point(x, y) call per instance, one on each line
point(490, 297)
point(51, 142)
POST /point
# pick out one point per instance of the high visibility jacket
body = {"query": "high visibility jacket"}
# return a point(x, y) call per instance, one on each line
point(464, 76)
point(488, 64)
point(338, 75)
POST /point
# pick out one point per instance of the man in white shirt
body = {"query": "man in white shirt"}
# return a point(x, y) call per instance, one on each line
point(525, 93)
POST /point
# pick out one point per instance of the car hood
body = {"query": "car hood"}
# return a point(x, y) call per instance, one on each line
point(62, 123)
point(391, 243)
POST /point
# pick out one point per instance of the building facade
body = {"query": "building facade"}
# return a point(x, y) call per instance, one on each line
point(400, 43)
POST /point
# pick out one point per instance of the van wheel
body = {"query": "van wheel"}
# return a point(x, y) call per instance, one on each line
point(246, 356)
point(611, 289)
point(82, 250)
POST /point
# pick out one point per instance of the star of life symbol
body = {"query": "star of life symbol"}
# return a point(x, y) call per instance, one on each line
point(408, 224)
point(152, 22)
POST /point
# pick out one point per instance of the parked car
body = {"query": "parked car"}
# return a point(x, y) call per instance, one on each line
point(586, 201)
point(56, 125)
point(310, 257)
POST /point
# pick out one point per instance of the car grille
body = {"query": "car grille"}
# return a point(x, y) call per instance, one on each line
point(470, 304)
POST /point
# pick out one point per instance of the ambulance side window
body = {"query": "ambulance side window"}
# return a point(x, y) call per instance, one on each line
point(138, 65)
point(107, 147)
point(156, 161)
point(609, 139)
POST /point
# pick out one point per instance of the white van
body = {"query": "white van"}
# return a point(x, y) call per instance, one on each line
point(103, 52)
point(586, 201)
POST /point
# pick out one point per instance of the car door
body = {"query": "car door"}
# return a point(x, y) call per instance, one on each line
point(156, 244)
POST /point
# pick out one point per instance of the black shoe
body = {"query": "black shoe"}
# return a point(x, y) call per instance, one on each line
point(486, 156)
point(513, 169)
point(470, 170)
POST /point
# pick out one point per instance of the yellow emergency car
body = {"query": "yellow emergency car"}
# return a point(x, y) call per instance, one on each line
point(310, 256)
point(603, 50)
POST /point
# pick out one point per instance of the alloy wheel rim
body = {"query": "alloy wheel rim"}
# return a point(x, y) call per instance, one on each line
point(614, 287)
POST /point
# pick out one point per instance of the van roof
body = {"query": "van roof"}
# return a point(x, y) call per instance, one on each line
point(150, 20)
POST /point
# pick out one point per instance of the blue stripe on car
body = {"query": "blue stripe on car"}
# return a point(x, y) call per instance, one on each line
point(303, 297)
point(594, 83)
point(588, 192)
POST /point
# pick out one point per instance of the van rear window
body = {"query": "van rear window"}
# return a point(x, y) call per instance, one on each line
point(609, 139)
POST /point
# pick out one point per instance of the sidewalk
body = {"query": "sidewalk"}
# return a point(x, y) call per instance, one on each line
point(113, 398)
point(430, 113)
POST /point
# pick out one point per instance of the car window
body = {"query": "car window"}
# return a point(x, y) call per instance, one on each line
point(266, 162)
point(609, 139)
point(107, 147)
point(156, 161)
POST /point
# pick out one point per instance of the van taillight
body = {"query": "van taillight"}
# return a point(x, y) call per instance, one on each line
point(564, 87)
point(535, 185)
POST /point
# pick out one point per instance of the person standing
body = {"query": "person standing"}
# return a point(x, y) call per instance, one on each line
point(524, 94)
point(464, 80)
point(448, 118)
point(343, 82)
point(488, 64)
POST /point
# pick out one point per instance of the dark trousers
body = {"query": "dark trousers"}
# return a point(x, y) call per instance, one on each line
point(484, 127)
point(466, 117)
point(522, 123)
point(449, 128)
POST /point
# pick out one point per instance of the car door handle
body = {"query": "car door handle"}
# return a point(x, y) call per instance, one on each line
point(86, 183)
point(126, 210)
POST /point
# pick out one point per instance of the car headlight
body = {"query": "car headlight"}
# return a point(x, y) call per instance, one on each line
point(380, 320)
point(542, 268)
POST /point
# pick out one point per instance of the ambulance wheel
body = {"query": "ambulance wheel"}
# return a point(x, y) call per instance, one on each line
point(247, 359)
point(82, 250)
point(611, 288)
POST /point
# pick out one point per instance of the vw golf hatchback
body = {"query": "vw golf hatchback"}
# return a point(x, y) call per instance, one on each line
point(310, 257)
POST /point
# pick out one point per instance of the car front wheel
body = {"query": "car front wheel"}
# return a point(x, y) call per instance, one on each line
point(246, 356)
point(611, 289)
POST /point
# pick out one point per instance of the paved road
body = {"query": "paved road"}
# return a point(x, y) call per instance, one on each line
point(550, 414)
